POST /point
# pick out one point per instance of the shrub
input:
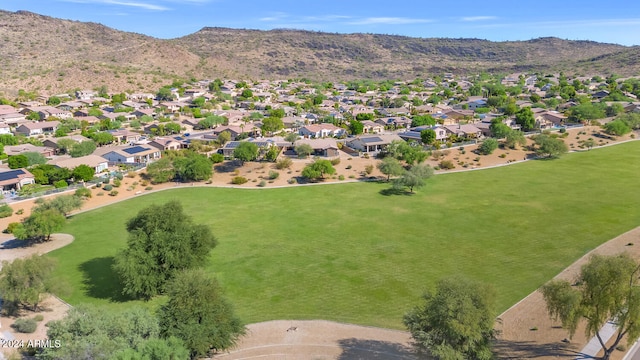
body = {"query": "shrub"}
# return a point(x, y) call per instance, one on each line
point(368, 169)
point(100, 194)
point(117, 182)
point(106, 180)
point(60, 184)
point(273, 175)
point(113, 193)
point(348, 167)
point(502, 156)
point(283, 163)
point(23, 325)
point(621, 347)
point(83, 193)
point(217, 158)
point(262, 183)
point(563, 130)
point(149, 188)
point(335, 161)
point(446, 164)
point(144, 183)
point(12, 226)
point(119, 176)
point(20, 212)
point(5, 211)
point(107, 187)
point(292, 181)
point(99, 185)
point(38, 317)
point(239, 180)
point(340, 177)
point(131, 174)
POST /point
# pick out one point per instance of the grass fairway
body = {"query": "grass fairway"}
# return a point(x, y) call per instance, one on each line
point(348, 253)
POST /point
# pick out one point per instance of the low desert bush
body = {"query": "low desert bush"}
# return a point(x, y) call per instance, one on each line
point(239, 180)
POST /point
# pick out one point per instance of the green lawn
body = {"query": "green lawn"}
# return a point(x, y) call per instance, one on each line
point(348, 253)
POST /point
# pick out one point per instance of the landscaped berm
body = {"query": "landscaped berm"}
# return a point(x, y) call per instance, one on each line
point(348, 253)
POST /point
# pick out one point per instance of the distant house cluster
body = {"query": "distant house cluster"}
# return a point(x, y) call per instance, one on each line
point(137, 128)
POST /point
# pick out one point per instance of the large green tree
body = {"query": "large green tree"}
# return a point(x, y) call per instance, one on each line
point(390, 166)
point(303, 150)
point(194, 167)
point(456, 321)
point(162, 240)
point(83, 172)
point(24, 282)
point(246, 151)
point(499, 129)
point(272, 124)
point(198, 314)
point(488, 146)
point(617, 128)
point(40, 225)
point(607, 289)
point(550, 146)
point(317, 169)
point(82, 148)
point(428, 136)
point(415, 177)
point(525, 118)
point(161, 171)
point(18, 162)
point(89, 332)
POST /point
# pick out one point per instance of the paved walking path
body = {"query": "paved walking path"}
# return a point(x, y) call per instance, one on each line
point(593, 346)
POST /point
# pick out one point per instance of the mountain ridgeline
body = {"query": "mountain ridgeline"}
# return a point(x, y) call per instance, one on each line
point(49, 54)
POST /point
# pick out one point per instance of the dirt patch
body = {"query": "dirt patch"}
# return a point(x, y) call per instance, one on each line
point(319, 339)
point(50, 308)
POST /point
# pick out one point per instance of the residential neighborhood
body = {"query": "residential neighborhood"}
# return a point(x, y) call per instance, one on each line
point(137, 128)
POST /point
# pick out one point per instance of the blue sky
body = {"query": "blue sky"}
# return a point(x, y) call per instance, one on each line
point(613, 21)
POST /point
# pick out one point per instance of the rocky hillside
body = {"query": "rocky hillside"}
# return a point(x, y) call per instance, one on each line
point(53, 55)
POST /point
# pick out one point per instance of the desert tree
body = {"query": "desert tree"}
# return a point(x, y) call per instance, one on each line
point(198, 313)
point(162, 241)
point(456, 321)
point(607, 289)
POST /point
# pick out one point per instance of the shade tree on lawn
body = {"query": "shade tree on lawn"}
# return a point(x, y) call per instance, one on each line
point(162, 241)
point(415, 177)
point(390, 166)
point(456, 321)
point(198, 314)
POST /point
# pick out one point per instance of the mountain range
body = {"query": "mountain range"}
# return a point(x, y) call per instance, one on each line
point(41, 53)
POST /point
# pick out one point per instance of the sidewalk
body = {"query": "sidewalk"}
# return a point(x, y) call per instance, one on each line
point(593, 347)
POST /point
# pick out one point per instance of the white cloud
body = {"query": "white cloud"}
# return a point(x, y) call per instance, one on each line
point(140, 5)
point(277, 16)
point(478, 18)
point(389, 21)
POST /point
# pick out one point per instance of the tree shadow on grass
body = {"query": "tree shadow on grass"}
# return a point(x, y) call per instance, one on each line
point(395, 191)
point(353, 349)
point(101, 281)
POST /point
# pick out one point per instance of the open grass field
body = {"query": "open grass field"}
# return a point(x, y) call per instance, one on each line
point(350, 253)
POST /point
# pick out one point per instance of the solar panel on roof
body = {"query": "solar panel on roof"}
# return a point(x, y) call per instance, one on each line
point(135, 150)
point(371, 140)
point(10, 174)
